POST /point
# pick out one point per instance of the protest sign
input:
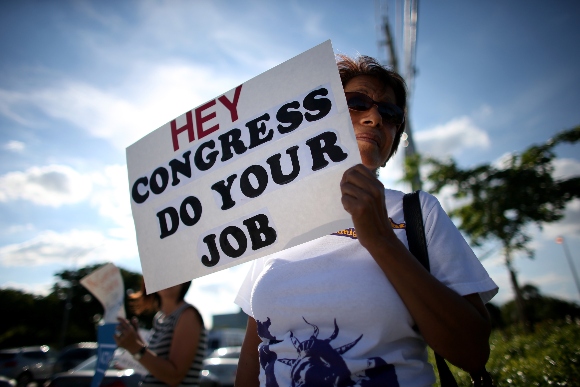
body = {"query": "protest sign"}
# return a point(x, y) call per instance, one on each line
point(106, 284)
point(249, 173)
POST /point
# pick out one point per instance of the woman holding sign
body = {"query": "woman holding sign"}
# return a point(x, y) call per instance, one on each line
point(356, 308)
point(178, 339)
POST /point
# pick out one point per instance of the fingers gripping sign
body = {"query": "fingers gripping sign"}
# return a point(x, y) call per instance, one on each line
point(363, 197)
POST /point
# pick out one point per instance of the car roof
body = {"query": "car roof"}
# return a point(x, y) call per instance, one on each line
point(86, 344)
point(220, 360)
point(43, 348)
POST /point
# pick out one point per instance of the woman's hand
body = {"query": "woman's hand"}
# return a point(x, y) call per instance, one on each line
point(128, 336)
point(454, 326)
point(363, 197)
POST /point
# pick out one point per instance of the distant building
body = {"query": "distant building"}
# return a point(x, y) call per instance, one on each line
point(231, 320)
point(228, 330)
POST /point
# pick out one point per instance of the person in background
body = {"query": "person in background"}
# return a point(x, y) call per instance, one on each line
point(178, 340)
point(356, 308)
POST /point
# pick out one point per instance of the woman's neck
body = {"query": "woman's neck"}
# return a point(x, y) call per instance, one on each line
point(168, 306)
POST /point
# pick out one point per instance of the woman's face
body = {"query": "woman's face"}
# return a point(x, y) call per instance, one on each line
point(374, 137)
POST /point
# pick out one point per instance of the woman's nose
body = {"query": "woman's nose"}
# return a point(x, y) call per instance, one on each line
point(372, 116)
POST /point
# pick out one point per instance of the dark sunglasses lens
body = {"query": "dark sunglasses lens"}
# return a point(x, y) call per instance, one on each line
point(360, 102)
point(391, 113)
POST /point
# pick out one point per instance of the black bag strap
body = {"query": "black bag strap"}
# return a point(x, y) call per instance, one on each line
point(415, 229)
point(418, 247)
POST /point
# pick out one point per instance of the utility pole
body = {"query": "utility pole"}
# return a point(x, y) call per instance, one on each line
point(561, 241)
point(410, 17)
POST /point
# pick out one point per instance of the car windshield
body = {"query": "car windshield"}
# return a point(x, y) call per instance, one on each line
point(91, 363)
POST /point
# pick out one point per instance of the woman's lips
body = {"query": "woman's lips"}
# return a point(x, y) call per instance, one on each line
point(369, 138)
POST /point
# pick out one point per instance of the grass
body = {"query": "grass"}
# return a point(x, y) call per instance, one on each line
point(548, 357)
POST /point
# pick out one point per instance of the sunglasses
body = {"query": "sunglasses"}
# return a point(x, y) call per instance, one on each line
point(360, 102)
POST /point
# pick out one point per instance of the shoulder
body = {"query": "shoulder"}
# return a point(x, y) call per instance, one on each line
point(191, 314)
point(429, 204)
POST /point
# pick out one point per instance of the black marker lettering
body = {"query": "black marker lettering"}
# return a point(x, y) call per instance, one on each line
point(202, 164)
point(137, 197)
point(257, 127)
point(257, 227)
point(214, 254)
point(294, 118)
point(322, 105)
point(246, 186)
point(225, 191)
point(240, 238)
point(317, 150)
point(154, 183)
point(174, 218)
point(276, 167)
point(195, 205)
point(231, 140)
point(182, 167)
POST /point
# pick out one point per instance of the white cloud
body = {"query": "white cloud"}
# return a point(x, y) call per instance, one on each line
point(74, 247)
point(392, 173)
point(566, 168)
point(485, 111)
point(52, 185)
point(14, 146)
point(150, 98)
point(452, 138)
point(52, 247)
point(546, 279)
point(18, 228)
point(569, 226)
point(111, 196)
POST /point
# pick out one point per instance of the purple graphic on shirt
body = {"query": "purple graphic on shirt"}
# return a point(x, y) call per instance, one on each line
point(318, 364)
point(267, 357)
point(379, 374)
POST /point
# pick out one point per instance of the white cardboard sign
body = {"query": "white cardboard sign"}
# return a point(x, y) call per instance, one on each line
point(249, 173)
point(106, 284)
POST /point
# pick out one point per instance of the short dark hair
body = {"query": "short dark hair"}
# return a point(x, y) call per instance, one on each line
point(349, 68)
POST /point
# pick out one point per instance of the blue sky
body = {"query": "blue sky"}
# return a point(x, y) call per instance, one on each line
point(80, 81)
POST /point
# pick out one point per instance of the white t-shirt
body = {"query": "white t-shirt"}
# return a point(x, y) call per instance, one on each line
point(327, 314)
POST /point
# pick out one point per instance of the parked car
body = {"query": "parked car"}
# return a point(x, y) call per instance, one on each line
point(115, 376)
point(73, 355)
point(5, 382)
point(82, 375)
point(27, 364)
point(227, 352)
point(223, 368)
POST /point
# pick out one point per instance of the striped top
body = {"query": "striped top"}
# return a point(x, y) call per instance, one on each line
point(160, 343)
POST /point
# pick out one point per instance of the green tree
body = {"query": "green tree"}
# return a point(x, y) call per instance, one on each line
point(46, 320)
point(83, 310)
point(500, 202)
point(539, 307)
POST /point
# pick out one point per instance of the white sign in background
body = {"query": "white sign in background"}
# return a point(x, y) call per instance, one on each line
point(106, 284)
point(250, 173)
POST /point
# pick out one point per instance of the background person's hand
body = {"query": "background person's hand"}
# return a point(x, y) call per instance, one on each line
point(127, 336)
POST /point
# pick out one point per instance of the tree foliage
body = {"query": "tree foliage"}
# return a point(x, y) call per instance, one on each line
point(36, 320)
point(499, 202)
point(503, 200)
